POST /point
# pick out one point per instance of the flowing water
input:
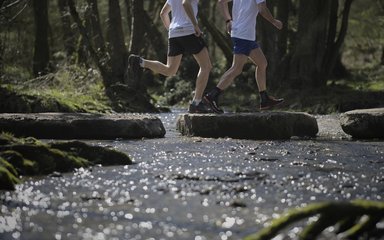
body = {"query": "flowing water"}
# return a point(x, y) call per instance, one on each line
point(195, 188)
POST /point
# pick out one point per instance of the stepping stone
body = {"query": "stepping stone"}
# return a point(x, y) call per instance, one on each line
point(263, 125)
point(363, 123)
point(82, 125)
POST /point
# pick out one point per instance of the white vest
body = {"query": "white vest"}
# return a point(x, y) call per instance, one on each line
point(181, 25)
point(244, 14)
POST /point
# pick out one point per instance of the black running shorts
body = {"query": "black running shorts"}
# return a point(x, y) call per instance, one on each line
point(190, 44)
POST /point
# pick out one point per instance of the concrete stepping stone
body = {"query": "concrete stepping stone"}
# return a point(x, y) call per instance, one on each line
point(82, 125)
point(364, 123)
point(262, 125)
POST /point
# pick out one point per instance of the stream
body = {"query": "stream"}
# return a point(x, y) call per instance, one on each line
point(195, 188)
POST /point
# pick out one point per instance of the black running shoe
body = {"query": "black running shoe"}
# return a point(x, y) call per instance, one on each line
point(134, 65)
point(199, 108)
point(270, 102)
point(212, 103)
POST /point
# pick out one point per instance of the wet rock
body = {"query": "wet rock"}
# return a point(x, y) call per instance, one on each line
point(8, 176)
point(82, 125)
point(263, 125)
point(29, 157)
point(364, 123)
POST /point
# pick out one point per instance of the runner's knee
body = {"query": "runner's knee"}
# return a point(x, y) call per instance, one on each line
point(171, 72)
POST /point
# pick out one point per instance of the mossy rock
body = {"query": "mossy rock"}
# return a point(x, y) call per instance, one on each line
point(48, 160)
point(22, 165)
point(95, 154)
point(8, 176)
point(29, 156)
point(13, 101)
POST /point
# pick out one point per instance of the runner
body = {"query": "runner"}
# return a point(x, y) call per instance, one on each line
point(185, 37)
point(243, 32)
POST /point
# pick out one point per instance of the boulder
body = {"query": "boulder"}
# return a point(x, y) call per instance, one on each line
point(82, 125)
point(262, 125)
point(363, 123)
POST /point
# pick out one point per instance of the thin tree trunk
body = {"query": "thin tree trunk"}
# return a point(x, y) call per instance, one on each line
point(97, 33)
point(155, 37)
point(136, 43)
point(115, 36)
point(107, 80)
point(128, 7)
point(41, 53)
point(68, 35)
point(334, 46)
point(382, 56)
point(137, 32)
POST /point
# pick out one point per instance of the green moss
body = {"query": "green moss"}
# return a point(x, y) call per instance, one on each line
point(8, 176)
point(330, 213)
point(29, 156)
point(8, 166)
point(95, 154)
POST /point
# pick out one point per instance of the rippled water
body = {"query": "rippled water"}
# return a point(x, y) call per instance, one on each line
point(194, 188)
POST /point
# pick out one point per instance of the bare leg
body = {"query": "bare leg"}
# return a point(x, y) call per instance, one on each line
point(170, 69)
point(258, 58)
point(205, 64)
point(237, 67)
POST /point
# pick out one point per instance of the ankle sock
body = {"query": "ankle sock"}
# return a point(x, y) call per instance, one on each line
point(196, 102)
point(215, 93)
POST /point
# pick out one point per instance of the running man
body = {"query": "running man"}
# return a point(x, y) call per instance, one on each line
point(184, 37)
point(242, 28)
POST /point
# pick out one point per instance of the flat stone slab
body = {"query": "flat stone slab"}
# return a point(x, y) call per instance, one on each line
point(263, 125)
point(363, 123)
point(82, 125)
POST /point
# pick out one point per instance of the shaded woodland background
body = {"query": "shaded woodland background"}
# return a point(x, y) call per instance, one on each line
point(65, 55)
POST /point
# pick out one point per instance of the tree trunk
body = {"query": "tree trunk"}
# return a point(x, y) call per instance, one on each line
point(309, 51)
point(83, 53)
point(97, 33)
point(382, 55)
point(334, 44)
point(128, 7)
point(115, 36)
point(136, 43)
point(68, 35)
point(103, 67)
point(156, 38)
point(41, 53)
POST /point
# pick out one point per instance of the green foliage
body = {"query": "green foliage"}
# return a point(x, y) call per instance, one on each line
point(352, 219)
point(70, 89)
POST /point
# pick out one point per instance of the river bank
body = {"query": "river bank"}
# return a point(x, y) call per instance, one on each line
point(195, 188)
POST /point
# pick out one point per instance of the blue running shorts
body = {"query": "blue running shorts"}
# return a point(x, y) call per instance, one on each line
point(242, 46)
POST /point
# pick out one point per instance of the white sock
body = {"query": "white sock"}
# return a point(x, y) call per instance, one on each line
point(196, 101)
point(141, 62)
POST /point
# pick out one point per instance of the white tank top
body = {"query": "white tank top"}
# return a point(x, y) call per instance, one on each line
point(181, 25)
point(244, 13)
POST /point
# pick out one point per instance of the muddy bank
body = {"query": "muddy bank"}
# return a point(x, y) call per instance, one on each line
point(195, 188)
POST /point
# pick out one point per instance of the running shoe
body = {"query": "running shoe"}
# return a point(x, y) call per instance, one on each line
point(199, 108)
point(134, 65)
point(212, 103)
point(270, 102)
